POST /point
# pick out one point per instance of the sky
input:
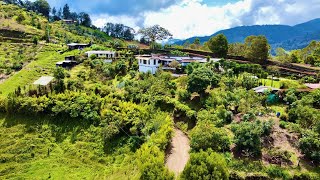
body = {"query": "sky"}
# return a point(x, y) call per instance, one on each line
point(187, 18)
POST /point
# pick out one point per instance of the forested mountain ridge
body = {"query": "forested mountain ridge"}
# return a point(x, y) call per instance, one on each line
point(287, 37)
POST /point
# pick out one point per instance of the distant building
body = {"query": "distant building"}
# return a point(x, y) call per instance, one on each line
point(73, 46)
point(44, 81)
point(102, 54)
point(69, 21)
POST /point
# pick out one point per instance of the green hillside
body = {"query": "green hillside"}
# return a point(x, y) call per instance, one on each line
point(107, 120)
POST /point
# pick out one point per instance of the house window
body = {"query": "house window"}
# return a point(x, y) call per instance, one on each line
point(144, 61)
point(154, 62)
point(149, 62)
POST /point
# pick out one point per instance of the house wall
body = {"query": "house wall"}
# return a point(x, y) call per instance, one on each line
point(146, 65)
point(103, 55)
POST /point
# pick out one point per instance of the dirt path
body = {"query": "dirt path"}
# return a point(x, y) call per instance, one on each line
point(178, 152)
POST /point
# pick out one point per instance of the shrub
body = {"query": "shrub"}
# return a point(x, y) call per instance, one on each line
point(283, 124)
point(151, 160)
point(310, 146)
point(284, 117)
point(247, 137)
point(206, 135)
point(205, 165)
point(277, 172)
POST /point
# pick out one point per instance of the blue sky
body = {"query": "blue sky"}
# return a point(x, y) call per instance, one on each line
point(186, 18)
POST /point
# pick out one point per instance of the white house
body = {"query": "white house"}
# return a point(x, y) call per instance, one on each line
point(102, 54)
point(148, 63)
point(152, 62)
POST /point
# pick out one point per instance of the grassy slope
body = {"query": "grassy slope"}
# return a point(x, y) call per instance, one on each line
point(24, 152)
point(43, 65)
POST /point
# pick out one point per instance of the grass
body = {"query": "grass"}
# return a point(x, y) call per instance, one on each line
point(43, 65)
point(24, 144)
point(269, 82)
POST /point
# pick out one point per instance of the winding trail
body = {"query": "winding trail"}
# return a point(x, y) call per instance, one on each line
point(178, 152)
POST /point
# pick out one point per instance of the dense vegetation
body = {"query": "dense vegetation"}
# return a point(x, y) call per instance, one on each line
point(108, 121)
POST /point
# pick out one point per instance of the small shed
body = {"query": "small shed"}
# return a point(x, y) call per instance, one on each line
point(44, 80)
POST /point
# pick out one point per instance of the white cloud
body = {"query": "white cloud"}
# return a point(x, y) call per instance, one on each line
point(194, 18)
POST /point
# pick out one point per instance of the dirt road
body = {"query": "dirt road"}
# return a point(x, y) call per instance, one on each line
point(178, 152)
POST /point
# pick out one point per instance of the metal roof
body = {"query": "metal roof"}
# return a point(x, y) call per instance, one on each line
point(44, 80)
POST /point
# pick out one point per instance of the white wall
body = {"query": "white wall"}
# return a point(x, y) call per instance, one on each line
point(145, 69)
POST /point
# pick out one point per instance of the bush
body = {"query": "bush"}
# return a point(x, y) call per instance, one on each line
point(206, 135)
point(310, 146)
point(205, 165)
point(284, 117)
point(247, 137)
point(277, 172)
point(151, 164)
point(283, 124)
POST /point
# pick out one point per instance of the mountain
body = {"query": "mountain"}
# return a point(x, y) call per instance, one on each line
point(287, 37)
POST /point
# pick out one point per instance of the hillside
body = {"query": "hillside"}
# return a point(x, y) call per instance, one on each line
point(104, 117)
point(287, 37)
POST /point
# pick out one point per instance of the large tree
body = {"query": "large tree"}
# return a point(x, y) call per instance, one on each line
point(155, 33)
point(257, 48)
point(219, 45)
point(42, 6)
point(66, 12)
point(200, 79)
point(84, 19)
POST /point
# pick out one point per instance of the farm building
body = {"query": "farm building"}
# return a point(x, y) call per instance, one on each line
point(66, 64)
point(44, 80)
point(69, 21)
point(102, 54)
point(73, 46)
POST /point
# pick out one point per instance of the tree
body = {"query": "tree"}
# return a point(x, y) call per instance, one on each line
point(84, 19)
point(247, 136)
point(205, 135)
point(155, 33)
point(42, 6)
point(66, 14)
point(186, 45)
point(200, 79)
point(282, 55)
point(257, 48)
point(197, 41)
point(219, 45)
point(205, 165)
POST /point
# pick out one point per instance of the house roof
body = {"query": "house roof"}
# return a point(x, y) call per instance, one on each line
point(262, 89)
point(313, 86)
point(44, 80)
